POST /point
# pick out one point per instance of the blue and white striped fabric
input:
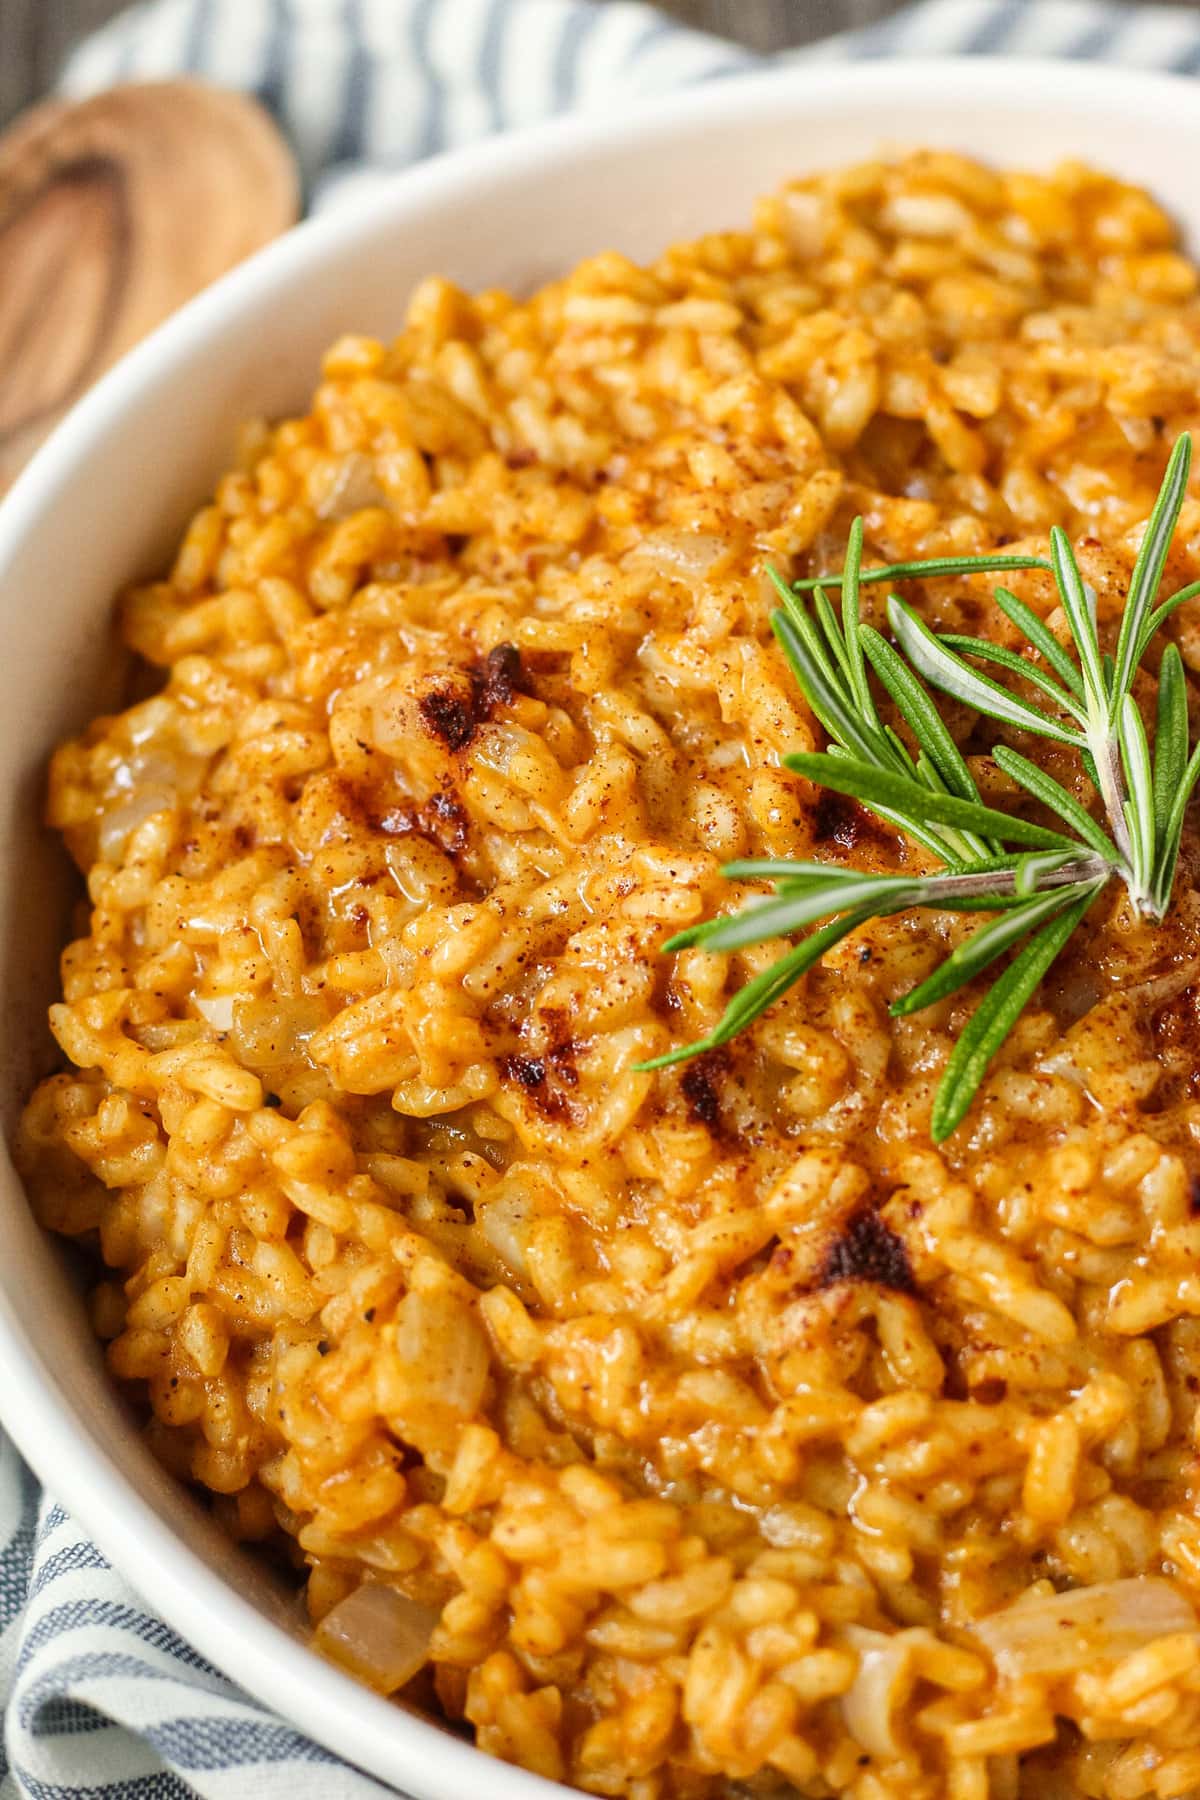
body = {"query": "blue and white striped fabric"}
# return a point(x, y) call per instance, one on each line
point(102, 1700)
point(364, 87)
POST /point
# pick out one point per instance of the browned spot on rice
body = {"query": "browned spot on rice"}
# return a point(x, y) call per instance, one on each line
point(840, 820)
point(701, 1085)
point(867, 1249)
point(502, 675)
point(451, 715)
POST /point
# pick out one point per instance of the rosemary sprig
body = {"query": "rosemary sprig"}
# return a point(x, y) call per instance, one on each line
point(1038, 882)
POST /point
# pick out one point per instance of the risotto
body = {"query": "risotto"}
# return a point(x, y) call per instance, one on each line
point(708, 1432)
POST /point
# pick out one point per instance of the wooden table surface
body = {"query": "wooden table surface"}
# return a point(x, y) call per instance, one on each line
point(35, 35)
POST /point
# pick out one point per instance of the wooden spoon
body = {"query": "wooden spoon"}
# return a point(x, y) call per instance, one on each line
point(113, 212)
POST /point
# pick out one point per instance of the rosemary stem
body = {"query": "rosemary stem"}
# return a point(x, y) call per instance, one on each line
point(1088, 867)
point(980, 564)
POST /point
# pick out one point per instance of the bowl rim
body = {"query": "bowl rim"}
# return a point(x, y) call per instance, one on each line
point(369, 1732)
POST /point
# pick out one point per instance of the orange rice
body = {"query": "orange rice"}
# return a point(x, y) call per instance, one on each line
point(707, 1433)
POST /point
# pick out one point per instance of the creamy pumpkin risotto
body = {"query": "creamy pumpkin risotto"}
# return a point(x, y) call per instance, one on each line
point(702, 1433)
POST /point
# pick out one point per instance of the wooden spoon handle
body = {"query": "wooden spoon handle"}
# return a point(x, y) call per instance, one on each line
point(113, 212)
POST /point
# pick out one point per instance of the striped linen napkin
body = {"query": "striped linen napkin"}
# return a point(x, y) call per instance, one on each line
point(102, 1700)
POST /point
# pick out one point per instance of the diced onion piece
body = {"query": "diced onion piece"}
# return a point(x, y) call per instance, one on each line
point(443, 1354)
point(151, 768)
point(271, 1037)
point(884, 1681)
point(505, 1224)
point(1057, 1633)
point(353, 488)
point(379, 1635)
point(120, 824)
point(217, 1009)
point(687, 554)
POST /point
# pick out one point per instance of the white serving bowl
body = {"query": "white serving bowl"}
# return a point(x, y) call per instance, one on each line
point(103, 502)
